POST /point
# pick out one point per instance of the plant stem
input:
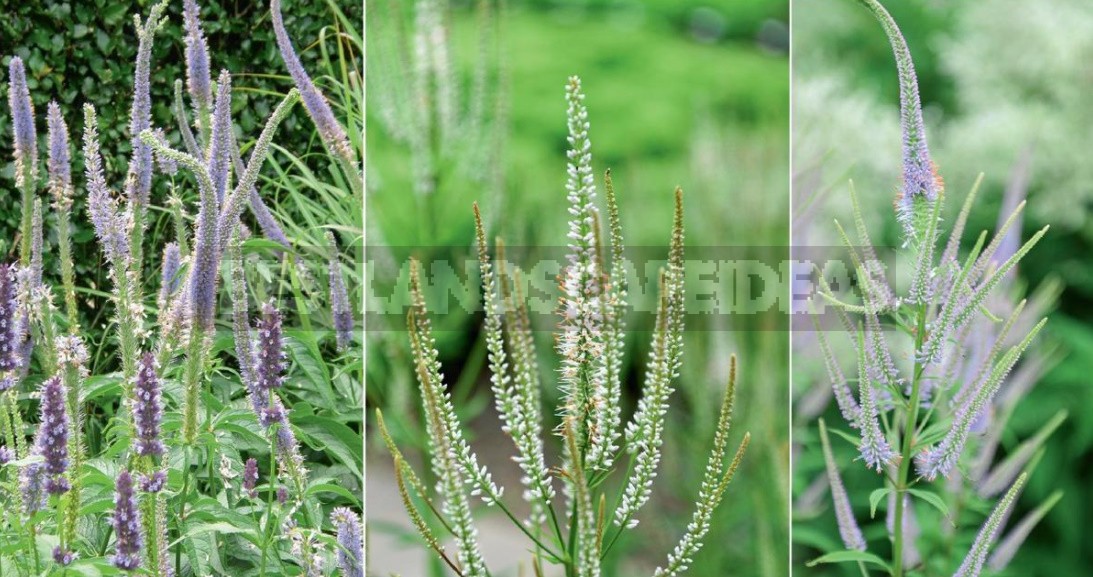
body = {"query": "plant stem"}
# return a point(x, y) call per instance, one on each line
point(908, 445)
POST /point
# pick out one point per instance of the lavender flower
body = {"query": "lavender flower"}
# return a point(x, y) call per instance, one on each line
point(32, 485)
point(111, 223)
point(331, 132)
point(269, 359)
point(51, 442)
point(140, 114)
point(63, 557)
point(198, 76)
point(153, 483)
point(921, 183)
point(22, 120)
point(848, 526)
point(250, 477)
point(350, 541)
point(9, 353)
point(220, 144)
point(169, 278)
point(204, 265)
point(148, 412)
point(59, 165)
point(167, 165)
point(6, 455)
point(339, 299)
point(282, 495)
point(127, 525)
point(875, 450)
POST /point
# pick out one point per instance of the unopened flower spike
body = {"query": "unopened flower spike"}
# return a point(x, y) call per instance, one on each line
point(988, 534)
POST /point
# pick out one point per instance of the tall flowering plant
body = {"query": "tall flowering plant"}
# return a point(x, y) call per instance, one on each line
point(934, 381)
point(573, 528)
point(136, 471)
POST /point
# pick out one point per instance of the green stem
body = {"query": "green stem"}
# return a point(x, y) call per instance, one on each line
point(908, 445)
point(182, 506)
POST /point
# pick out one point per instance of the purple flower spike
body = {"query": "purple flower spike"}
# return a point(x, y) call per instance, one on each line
point(197, 58)
point(318, 109)
point(149, 408)
point(32, 483)
point(282, 495)
point(51, 441)
point(153, 483)
point(140, 114)
point(168, 283)
point(166, 164)
point(111, 223)
point(127, 525)
point(220, 147)
point(339, 300)
point(22, 121)
point(60, 164)
point(250, 477)
point(6, 455)
point(270, 356)
point(350, 541)
point(9, 352)
point(921, 183)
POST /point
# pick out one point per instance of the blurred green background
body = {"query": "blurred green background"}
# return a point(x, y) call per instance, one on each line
point(1001, 81)
point(679, 93)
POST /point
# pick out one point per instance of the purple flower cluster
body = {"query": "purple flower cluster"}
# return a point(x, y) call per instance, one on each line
point(111, 223)
point(63, 557)
point(51, 442)
point(250, 477)
point(127, 524)
point(22, 121)
point(350, 541)
point(153, 483)
point(59, 164)
point(169, 278)
point(269, 359)
point(9, 352)
point(197, 58)
point(32, 485)
point(148, 412)
point(339, 300)
point(6, 455)
point(220, 145)
point(332, 133)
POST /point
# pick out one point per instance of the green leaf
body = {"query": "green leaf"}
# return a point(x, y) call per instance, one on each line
point(332, 488)
point(850, 557)
point(326, 434)
point(874, 499)
point(931, 498)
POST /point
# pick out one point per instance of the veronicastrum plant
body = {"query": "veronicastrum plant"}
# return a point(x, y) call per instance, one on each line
point(578, 528)
point(932, 428)
point(140, 471)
